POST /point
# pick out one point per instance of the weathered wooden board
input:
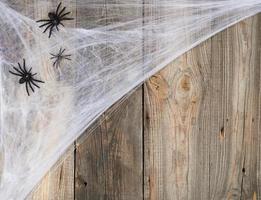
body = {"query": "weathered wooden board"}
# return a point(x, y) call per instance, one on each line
point(109, 161)
point(58, 184)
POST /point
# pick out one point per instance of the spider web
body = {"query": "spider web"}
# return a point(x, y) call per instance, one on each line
point(107, 62)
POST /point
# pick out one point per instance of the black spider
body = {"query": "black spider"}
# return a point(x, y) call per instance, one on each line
point(26, 77)
point(59, 57)
point(55, 19)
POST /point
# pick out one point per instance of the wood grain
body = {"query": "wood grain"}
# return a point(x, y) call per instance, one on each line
point(201, 127)
point(109, 161)
point(58, 184)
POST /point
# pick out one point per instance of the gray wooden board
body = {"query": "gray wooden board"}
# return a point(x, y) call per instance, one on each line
point(58, 184)
point(109, 161)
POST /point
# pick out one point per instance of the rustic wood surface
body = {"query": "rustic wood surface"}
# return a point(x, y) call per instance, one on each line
point(202, 118)
point(191, 132)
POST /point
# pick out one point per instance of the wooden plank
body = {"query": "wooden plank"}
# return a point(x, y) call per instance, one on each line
point(236, 81)
point(251, 166)
point(109, 160)
point(58, 183)
point(257, 148)
point(172, 99)
point(248, 65)
point(87, 187)
point(172, 103)
point(199, 132)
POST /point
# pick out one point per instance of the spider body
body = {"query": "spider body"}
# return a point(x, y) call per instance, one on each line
point(59, 57)
point(55, 19)
point(27, 77)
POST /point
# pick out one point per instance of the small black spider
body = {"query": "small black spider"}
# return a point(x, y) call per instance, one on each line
point(26, 77)
point(59, 57)
point(55, 19)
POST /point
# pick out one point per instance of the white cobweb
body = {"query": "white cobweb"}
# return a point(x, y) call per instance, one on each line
point(110, 57)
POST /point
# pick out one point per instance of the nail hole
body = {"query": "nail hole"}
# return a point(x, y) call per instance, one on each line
point(243, 170)
point(147, 116)
point(222, 134)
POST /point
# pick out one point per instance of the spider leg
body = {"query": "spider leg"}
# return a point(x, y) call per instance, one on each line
point(34, 74)
point(58, 7)
point(45, 24)
point(55, 62)
point(61, 11)
point(50, 32)
point(30, 70)
point(34, 84)
point(62, 24)
point(57, 28)
point(29, 83)
point(43, 20)
point(47, 27)
point(26, 86)
point(52, 55)
point(24, 66)
point(37, 80)
point(66, 18)
point(67, 57)
point(64, 14)
point(20, 68)
point(62, 51)
point(18, 71)
point(15, 73)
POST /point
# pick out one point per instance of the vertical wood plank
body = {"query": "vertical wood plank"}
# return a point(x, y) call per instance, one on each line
point(173, 99)
point(58, 183)
point(250, 188)
point(88, 168)
point(199, 62)
point(257, 121)
point(109, 161)
point(251, 168)
point(235, 79)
